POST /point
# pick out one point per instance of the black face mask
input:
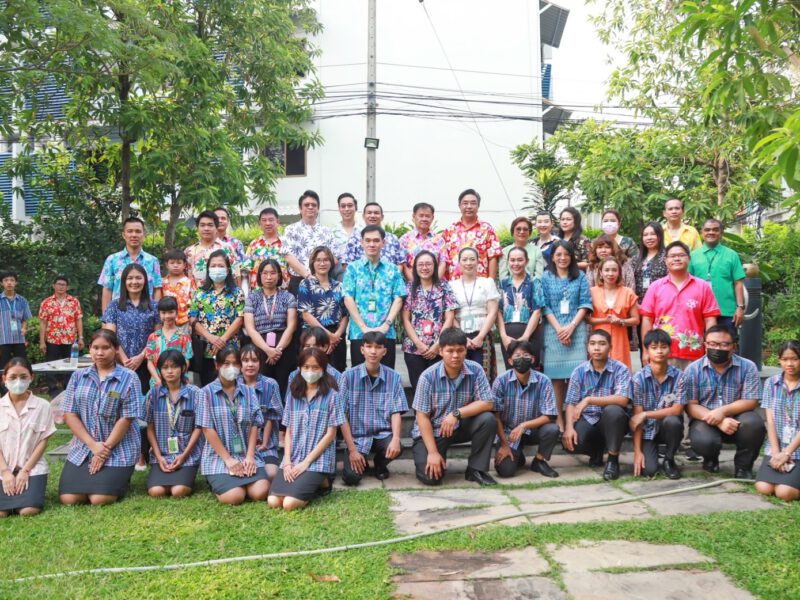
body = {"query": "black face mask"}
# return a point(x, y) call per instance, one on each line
point(718, 356)
point(522, 364)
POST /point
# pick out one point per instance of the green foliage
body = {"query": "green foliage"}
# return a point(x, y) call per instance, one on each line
point(398, 228)
point(91, 323)
point(504, 235)
point(593, 233)
point(548, 180)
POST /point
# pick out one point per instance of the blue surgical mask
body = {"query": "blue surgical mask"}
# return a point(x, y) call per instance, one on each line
point(217, 274)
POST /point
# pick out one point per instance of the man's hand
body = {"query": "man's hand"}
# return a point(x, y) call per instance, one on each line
point(638, 462)
point(729, 426)
point(448, 426)
point(503, 453)
point(516, 433)
point(394, 449)
point(637, 420)
point(714, 417)
point(357, 461)
point(570, 438)
point(435, 466)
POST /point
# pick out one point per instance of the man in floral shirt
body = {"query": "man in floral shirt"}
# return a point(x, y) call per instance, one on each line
point(421, 238)
point(197, 254)
point(60, 325)
point(373, 215)
point(300, 239)
point(682, 305)
point(471, 231)
point(267, 245)
point(222, 233)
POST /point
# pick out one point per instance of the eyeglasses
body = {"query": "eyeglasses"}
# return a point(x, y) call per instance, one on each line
point(681, 256)
point(720, 345)
point(522, 229)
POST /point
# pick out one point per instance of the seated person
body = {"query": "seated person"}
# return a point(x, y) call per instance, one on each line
point(526, 414)
point(597, 397)
point(657, 409)
point(454, 404)
point(780, 401)
point(316, 337)
point(721, 393)
point(374, 403)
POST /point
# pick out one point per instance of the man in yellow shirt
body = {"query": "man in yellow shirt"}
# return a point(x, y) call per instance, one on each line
point(675, 230)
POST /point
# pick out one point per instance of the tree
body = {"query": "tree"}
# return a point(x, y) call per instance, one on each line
point(547, 179)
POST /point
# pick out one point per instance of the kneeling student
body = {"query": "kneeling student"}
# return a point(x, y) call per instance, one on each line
point(174, 441)
point(374, 402)
point(657, 409)
point(454, 404)
point(311, 416)
point(599, 392)
point(230, 416)
point(526, 414)
point(269, 398)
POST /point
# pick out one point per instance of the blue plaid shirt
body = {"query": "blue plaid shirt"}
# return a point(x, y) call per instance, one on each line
point(651, 395)
point(99, 405)
point(307, 421)
point(268, 395)
point(369, 405)
point(184, 413)
point(12, 314)
point(613, 380)
point(380, 284)
point(332, 371)
point(785, 407)
point(702, 383)
point(214, 413)
point(516, 404)
point(438, 396)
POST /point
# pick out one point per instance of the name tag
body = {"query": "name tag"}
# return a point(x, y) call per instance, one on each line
point(467, 324)
point(788, 435)
point(372, 305)
point(645, 282)
point(427, 327)
point(238, 445)
point(564, 307)
point(14, 325)
point(113, 394)
point(172, 445)
point(516, 317)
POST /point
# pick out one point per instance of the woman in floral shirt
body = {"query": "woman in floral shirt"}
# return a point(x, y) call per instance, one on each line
point(217, 312)
point(429, 307)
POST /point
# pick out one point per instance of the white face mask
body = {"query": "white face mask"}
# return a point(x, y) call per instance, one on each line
point(229, 372)
point(217, 274)
point(18, 386)
point(610, 227)
point(311, 376)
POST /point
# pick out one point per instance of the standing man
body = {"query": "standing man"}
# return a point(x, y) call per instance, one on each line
point(453, 404)
point(133, 234)
point(347, 228)
point(722, 267)
point(373, 294)
point(680, 304)
point(267, 245)
point(197, 254)
point(722, 392)
point(222, 233)
point(60, 326)
point(470, 231)
point(14, 316)
point(421, 238)
point(300, 239)
point(392, 252)
point(675, 230)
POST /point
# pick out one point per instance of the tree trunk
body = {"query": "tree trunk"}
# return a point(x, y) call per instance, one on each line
point(172, 223)
point(125, 157)
point(721, 178)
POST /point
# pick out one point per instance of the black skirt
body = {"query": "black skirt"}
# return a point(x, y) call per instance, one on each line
point(33, 497)
point(108, 481)
point(224, 482)
point(183, 476)
point(306, 487)
point(769, 475)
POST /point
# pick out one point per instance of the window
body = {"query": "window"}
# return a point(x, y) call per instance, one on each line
point(293, 160)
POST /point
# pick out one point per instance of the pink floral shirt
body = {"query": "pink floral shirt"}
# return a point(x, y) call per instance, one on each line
point(480, 236)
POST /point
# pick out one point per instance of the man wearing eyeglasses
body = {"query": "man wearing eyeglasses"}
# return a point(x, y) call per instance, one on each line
point(721, 392)
point(682, 305)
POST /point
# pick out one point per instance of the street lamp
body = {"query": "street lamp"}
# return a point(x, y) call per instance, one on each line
point(371, 143)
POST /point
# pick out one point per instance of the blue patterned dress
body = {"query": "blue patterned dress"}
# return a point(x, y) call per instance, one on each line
point(561, 360)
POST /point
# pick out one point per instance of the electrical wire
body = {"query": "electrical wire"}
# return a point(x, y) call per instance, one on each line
point(373, 544)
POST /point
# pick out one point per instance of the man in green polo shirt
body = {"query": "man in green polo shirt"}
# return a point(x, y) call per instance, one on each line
point(721, 266)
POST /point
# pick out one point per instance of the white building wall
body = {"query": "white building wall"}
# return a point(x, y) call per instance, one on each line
point(422, 159)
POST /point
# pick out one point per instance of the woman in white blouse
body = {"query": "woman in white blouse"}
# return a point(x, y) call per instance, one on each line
point(26, 422)
point(478, 303)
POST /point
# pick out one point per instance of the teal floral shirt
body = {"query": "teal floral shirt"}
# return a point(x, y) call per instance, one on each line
point(216, 311)
point(373, 289)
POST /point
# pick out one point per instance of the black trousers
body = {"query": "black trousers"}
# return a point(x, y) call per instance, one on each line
point(286, 364)
point(480, 430)
point(670, 433)
point(356, 358)
point(379, 447)
point(9, 351)
point(416, 364)
point(294, 285)
point(545, 436)
point(607, 433)
point(707, 440)
point(475, 354)
point(56, 352)
point(338, 358)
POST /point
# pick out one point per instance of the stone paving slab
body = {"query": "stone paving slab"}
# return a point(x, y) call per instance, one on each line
point(527, 588)
point(432, 520)
point(460, 564)
point(700, 503)
point(596, 556)
point(618, 512)
point(595, 492)
point(446, 498)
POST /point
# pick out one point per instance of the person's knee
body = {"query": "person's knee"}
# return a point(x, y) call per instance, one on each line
point(101, 499)
point(72, 499)
point(751, 424)
point(768, 489)
point(29, 511)
point(671, 425)
point(158, 491)
point(181, 491)
point(615, 413)
point(258, 491)
point(275, 501)
point(351, 478)
point(507, 468)
point(426, 480)
point(290, 504)
point(4, 514)
point(549, 432)
point(650, 469)
point(787, 493)
point(703, 438)
point(485, 419)
point(233, 497)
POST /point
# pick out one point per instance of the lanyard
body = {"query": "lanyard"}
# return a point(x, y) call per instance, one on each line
point(233, 406)
point(274, 303)
point(711, 262)
point(12, 304)
point(787, 404)
point(472, 295)
point(716, 383)
point(173, 417)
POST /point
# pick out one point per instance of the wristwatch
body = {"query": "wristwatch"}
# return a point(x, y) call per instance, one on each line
point(457, 414)
point(740, 306)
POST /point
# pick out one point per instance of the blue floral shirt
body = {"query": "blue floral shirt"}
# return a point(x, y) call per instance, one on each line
point(115, 263)
point(373, 289)
point(518, 304)
point(392, 251)
point(134, 325)
point(326, 306)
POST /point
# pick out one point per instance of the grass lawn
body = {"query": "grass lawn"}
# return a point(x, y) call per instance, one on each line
point(760, 551)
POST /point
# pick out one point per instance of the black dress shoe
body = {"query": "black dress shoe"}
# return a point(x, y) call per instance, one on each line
point(742, 473)
point(381, 468)
point(691, 455)
point(611, 471)
point(596, 460)
point(480, 477)
point(541, 466)
point(521, 460)
point(671, 469)
point(711, 465)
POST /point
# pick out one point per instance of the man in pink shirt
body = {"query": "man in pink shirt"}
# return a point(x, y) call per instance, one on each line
point(470, 231)
point(680, 304)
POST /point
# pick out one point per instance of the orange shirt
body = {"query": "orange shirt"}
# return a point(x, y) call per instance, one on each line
point(625, 300)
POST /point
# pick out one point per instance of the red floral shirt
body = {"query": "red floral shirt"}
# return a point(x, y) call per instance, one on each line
point(480, 235)
point(182, 291)
point(62, 319)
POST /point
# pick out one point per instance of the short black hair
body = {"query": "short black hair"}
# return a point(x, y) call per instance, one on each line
point(720, 329)
point(372, 229)
point(208, 214)
point(677, 244)
point(469, 192)
point(715, 220)
point(423, 205)
point(602, 333)
point(269, 211)
point(270, 262)
point(346, 195)
point(171, 355)
point(5, 274)
point(521, 345)
point(132, 220)
point(308, 194)
point(223, 209)
point(657, 336)
point(174, 254)
point(167, 304)
point(63, 278)
point(368, 204)
point(452, 336)
point(671, 199)
point(374, 337)
point(320, 335)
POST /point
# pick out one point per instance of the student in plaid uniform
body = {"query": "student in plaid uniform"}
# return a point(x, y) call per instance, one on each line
point(311, 416)
point(525, 406)
point(657, 409)
point(268, 395)
point(101, 406)
point(170, 412)
point(230, 417)
point(374, 402)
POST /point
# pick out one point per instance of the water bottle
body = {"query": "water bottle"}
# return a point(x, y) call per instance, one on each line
point(73, 355)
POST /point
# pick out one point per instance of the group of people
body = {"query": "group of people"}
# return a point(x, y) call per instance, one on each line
point(266, 329)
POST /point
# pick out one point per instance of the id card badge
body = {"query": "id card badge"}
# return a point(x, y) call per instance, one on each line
point(564, 307)
point(238, 445)
point(14, 325)
point(427, 327)
point(271, 339)
point(516, 317)
point(645, 282)
point(467, 324)
point(172, 445)
point(372, 305)
point(788, 435)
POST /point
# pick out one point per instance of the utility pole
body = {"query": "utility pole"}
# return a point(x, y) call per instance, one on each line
point(372, 103)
